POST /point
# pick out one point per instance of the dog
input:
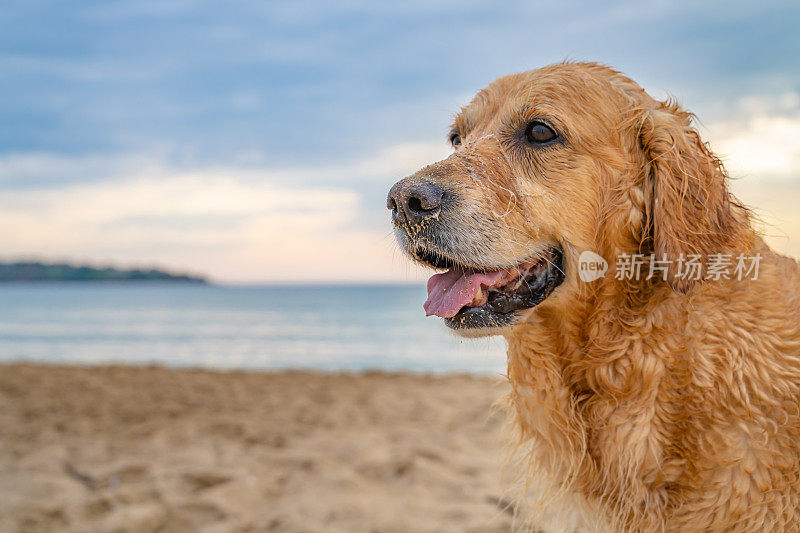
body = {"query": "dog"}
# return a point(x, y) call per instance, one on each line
point(661, 395)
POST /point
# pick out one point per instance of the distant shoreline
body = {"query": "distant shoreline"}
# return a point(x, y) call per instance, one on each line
point(30, 271)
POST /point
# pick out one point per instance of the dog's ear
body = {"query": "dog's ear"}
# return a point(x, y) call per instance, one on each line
point(689, 207)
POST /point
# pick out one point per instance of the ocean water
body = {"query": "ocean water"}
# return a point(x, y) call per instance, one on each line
point(328, 328)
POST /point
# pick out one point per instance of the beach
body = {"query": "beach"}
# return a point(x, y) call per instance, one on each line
point(126, 448)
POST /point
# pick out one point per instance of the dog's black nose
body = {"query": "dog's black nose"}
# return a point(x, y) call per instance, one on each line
point(414, 199)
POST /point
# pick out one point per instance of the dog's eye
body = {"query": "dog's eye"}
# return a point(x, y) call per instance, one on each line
point(455, 138)
point(539, 133)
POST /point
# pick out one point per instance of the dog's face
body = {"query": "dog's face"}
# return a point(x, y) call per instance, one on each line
point(545, 164)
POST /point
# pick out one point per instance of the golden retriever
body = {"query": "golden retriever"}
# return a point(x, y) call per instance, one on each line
point(661, 396)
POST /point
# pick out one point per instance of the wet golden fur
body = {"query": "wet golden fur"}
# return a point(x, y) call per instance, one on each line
point(645, 405)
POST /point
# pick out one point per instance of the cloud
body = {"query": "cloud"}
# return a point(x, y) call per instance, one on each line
point(760, 147)
point(43, 169)
point(313, 221)
point(763, 142)
point(217, 77)
point(240, 224)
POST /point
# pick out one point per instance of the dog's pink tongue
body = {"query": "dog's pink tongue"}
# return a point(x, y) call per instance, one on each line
point(452, 290)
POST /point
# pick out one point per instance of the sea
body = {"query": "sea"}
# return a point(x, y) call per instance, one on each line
point(327, 328)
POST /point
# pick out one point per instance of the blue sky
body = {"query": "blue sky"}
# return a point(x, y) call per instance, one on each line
point(255, 141)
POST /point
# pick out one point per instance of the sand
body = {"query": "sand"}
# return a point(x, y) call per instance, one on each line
point(154, 449)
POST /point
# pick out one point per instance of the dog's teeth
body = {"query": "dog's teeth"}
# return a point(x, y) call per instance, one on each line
point(480, 298)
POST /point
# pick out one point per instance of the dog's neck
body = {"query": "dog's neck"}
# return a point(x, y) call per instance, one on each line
point(601, 379)
point(604, 377)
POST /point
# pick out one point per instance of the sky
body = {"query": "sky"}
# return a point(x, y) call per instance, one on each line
point(255, 142)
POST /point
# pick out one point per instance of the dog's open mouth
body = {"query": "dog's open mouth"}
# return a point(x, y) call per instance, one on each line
point(473, 298)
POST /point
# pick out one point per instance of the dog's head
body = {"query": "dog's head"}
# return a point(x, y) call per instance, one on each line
point(547, 164)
